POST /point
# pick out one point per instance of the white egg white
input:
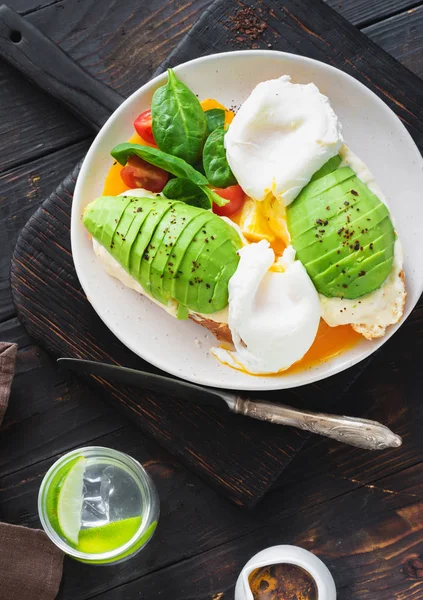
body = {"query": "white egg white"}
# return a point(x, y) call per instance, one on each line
point(273, 316)
point(282, 134)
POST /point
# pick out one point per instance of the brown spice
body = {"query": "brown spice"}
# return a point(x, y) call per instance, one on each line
point(247, 25)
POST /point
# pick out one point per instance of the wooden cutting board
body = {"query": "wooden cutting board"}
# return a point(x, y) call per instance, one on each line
point(240, 457)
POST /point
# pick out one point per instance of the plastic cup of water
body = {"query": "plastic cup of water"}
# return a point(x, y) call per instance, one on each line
point(98, 505)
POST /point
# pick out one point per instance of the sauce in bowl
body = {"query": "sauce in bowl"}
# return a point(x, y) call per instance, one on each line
point(282, 581)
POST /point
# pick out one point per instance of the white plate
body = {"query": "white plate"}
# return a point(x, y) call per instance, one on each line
point(372, 131)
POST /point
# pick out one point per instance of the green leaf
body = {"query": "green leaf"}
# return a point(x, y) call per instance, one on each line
point(179, 122)
point(215, 118)
point(172, 164)
point(215, 163)
point(213, 197)
point(184, 190)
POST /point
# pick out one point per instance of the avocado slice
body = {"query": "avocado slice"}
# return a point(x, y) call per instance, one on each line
point(190, 251)
point(336, 255)
point(214, 294)
point(164, 266)
point(136, 255)
point(332, 164)
point(342, 233)
point(126, 255)
point(154, 248)
point(104, 229)
point(160, 232)
point(151, 225)
point(176, 279)
point(205, 260)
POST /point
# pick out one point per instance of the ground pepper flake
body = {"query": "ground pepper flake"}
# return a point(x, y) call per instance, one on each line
point(247, 25)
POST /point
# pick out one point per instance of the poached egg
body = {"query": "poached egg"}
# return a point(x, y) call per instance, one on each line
point(273, 316)
point(282, 134)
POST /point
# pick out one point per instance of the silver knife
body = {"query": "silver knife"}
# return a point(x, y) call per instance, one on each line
point(362, 433)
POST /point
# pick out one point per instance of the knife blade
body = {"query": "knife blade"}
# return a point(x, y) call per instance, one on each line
point(161, 384)
point(355, 431)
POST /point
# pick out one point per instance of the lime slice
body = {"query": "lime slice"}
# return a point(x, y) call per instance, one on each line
point(69, 502)
point(96, 540)
point(104, 539)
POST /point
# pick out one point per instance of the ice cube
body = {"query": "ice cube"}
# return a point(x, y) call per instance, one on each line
point(96, 503)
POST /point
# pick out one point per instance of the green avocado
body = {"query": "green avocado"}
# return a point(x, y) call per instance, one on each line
point(163, 264)
point(342, 233)
point(175, 251)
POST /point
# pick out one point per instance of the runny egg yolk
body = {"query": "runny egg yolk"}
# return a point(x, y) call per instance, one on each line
point(329, 342)
point(260, 220)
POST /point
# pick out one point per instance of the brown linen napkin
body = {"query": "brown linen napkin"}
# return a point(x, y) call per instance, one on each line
point(30, 564)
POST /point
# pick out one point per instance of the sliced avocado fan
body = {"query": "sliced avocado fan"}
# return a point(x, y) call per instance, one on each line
point(342, 233)
point(164, 245)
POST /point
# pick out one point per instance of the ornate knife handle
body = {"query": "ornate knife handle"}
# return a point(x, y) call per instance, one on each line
point(363, 433)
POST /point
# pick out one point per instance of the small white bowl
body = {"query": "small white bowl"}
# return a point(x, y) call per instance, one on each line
point(293, 555)
point(372, 131)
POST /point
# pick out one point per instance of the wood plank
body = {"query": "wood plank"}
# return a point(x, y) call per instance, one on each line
point(62, 412)
point(327, 471)
point(120, 43)
point(357, 12)
point(25, 7)
point(402, 37)
point(134, 40)
point(48, 311)
point(194, 521)
point(370, 539)
point(363, 12)
point(391, 387)
point(22, 190)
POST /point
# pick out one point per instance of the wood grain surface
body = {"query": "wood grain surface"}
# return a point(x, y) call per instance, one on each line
point(55, 312)
point(367, 508)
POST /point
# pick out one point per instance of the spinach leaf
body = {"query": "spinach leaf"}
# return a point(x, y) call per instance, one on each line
point(179, 122)
point(215, 164)
point(154, 156)
point(215, 118)
point(186, 191)
point(174, 165)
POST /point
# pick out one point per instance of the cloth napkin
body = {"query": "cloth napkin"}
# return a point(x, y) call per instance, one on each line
point(30, 564)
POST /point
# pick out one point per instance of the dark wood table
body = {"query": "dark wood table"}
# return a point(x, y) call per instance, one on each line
point(362, 513)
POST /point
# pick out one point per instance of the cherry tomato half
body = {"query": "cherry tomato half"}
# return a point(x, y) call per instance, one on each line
point(140, 174)
point(236, 197)
point(144, 126)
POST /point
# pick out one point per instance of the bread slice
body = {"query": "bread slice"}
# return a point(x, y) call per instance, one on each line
point(372, 332)
point(220, 331)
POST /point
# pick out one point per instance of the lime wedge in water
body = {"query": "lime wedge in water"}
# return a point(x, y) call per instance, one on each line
point(96, 540)
point(69, 501)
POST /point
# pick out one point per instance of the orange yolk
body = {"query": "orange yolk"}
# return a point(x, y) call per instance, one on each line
point(329, 341)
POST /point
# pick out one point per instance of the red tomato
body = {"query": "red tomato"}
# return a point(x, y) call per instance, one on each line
point(144, 126)
point(236, 197)
point(140, 174)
